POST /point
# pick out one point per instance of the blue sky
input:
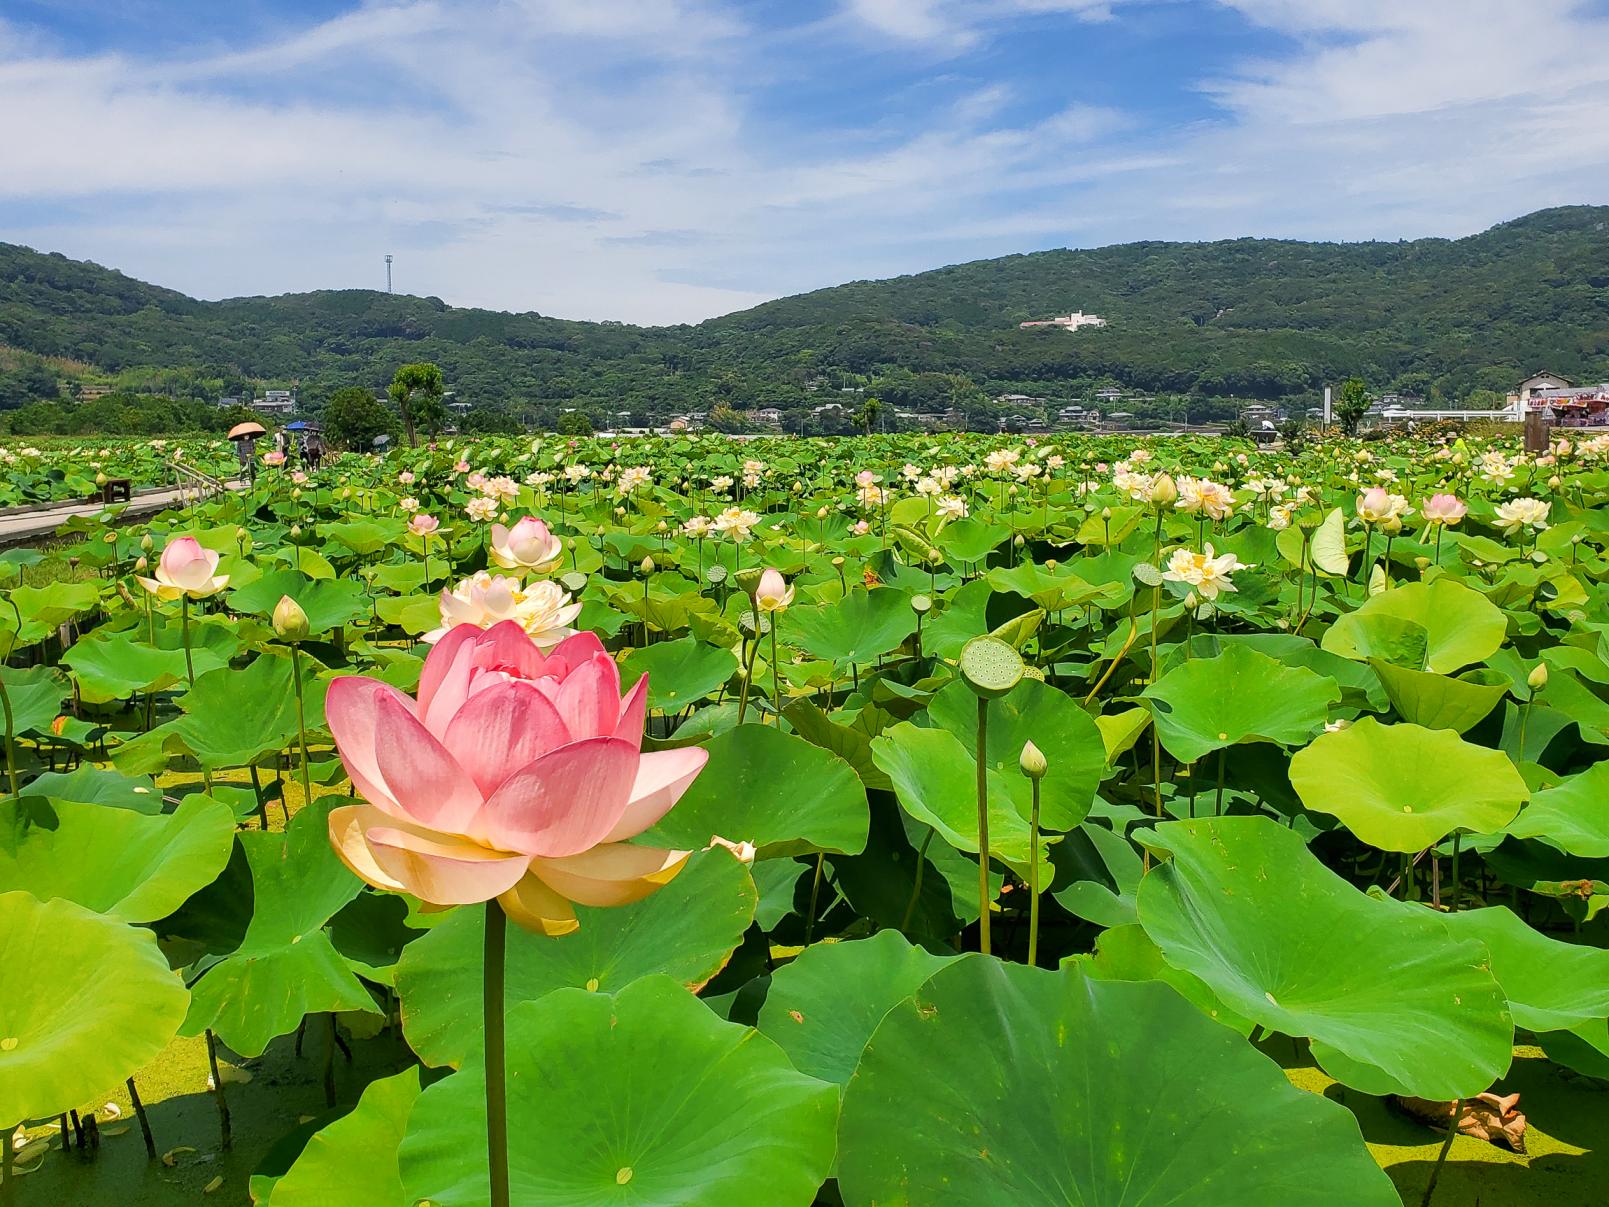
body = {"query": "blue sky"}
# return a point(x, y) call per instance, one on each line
point(667, 160)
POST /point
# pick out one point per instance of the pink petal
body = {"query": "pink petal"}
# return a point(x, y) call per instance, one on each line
point(662, 777)
point(611, 874)
point(352, 709)
point(502, 729)
point(589, 698)
point(565, 801)
point(443, 871)
point(424, 780)
point(347, 826)
point(576, 649)
point(507, 647)
point(448, 659)
point(633, 714)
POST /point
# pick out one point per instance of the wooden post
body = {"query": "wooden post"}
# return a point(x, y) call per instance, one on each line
point(1536, 432)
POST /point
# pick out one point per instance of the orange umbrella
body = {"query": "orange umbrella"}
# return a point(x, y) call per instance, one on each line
point(250, 428)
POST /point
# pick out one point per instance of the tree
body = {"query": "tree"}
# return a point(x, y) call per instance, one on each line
point(573, 423)
point(870, 412)
point(1351, 404)
point(418, 387)
point(353, 417)
point(724, 419)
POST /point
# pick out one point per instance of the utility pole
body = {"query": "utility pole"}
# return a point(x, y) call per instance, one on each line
point(388, 272)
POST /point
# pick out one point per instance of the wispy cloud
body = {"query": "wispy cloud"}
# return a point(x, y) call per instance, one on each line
point(663, 160)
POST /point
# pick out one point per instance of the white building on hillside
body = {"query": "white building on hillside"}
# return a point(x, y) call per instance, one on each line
point(1067, 322)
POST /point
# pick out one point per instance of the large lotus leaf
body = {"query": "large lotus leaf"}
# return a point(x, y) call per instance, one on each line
point(1207, 704)
point(1461, 625)
point(1052, 590)
point(970, 540)
point(1438, 701)
point(687, 930)
point(773, 789)
point(41, 610)
point(1584, 1048)
point(999, 1085)
point(1293, 650)
point(1389, 1000)
point(94, 785)
point(935, 779)
point(353, 1161)
point(231, 718)
point(36, 697)
point(1053, 721)
point(116, 666)
point(680, 673)
point(1126, 953)
point(85, 1002)
point(1573, 816)
point(1403, 787)
point(1550, 985)
point(1099, 872)
point(286, 967)
point(361, 537)
point(130, 865)
point(329, 604)
point(641, 1099)
point(413, 614)
point(857, 628)
point(823, 1007)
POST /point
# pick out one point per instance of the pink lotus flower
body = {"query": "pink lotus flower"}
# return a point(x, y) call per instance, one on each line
point(1443, 509)
point(274, 457)
point(423, 525)
point(515, 774)
point(526, 546)
point(187, 569)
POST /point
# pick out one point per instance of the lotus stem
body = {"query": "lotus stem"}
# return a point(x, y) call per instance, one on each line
point(815, 896)
point(11, 740)
point(916, 886)
point(8, 1176)
point(1033, 878)
point(776, 675)
point(227, 1139)
point(329, 1062)
point(1441, 1157)
point(145, 1122)
point(1452, 898)
point(492, 1018)
point(184, 629)
point(983, 824)
point(301, 724)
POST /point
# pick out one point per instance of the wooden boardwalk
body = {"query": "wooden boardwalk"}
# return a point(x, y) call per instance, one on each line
point(21, 527)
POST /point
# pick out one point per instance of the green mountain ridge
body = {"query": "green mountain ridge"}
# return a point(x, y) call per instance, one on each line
point(1249, 318)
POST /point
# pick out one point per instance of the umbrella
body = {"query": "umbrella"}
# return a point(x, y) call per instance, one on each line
point(298, 426)
point(244, 431)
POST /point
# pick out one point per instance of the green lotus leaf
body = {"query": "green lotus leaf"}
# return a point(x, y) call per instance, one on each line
point(965, 615)
point(855, 629)
point(970, 540)
point(231, 718)
point(773, 789)
point(934, 777)
point(823, 1007)
point(36, 697)
point(1051, 590)
point(1126, 953)
point(1574, 816)
point(353, 1161)
point(1392, 1002)
point(1550, 985)
point(413, 614)
point(1208, 704)
point(1078, 1090)
point(680, 673)
point(117, 666)
point(1584, 1048)
point(286, 967)
point(132, 866)
point(642, 1099)
point(86, 1001)
point(41, 610)
point(1404, 787)
point(1461, 626)
point(1099, 873)
point(687, 930)
point(329, 604)
point(89, 784)
point(362, 537)
point(1438, 701)
point(1053, 721)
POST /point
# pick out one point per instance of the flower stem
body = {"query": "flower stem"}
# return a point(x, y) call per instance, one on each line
point(1033, 879)
point(916, 886)
point(184, 629)
point(227, 1139)
point(776, 675)
point(301, 722)
point(983, 824)
point(1441, 1157)
point(492, 1018)
point(11, 744)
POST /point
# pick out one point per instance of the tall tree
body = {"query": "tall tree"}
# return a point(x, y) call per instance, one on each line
point(1351, 404)
point(416, 387)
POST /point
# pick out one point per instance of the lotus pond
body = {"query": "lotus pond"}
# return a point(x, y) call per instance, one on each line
point(908, 820)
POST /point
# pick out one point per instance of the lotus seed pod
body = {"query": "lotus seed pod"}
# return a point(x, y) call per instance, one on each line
point(1033, 762)
point(290, 621)
point(990, 666)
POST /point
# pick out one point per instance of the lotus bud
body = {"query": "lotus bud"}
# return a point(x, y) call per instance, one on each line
point(141, 564)
point(1051, 563)
point(1164, 491)
point(1538, 678)
point(1018, 541)
point(296, 493)
point(821, 512)
point(1033, 762)
point(1555, 482)
point(240, 533)
point(290, 622)
point(296, 530)
point(1106, 513)
point(146, 542)
point(1423, 563)
point(647, 566)
point(100, 479)
point(1191, 602)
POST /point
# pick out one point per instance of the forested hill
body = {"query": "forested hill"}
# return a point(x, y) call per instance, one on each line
point(1246, 317)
